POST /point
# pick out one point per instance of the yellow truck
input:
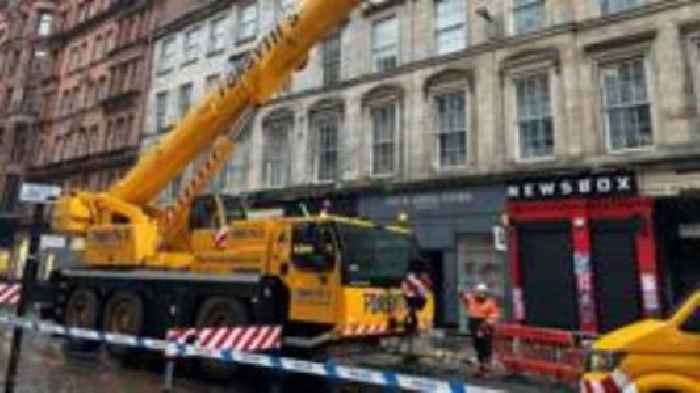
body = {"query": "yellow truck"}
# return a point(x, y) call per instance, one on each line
point(202, 262)
point(652, 356)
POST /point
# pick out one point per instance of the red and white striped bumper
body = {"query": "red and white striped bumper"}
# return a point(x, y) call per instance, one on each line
point(363, 330)
point(615, 382)
point(242, 339)
point(10, 293)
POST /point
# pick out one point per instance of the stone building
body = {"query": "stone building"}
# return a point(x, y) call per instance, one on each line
point(434, 107)
point(94, 96)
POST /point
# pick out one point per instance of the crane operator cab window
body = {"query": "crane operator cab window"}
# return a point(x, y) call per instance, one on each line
point(214, 211)
point(314, 247)
point(205, 214)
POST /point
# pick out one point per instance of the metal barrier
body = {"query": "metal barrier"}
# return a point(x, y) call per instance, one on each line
point(329, 369)
point(545, 352)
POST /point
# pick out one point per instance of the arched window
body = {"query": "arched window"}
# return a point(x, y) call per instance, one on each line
point(325, 122)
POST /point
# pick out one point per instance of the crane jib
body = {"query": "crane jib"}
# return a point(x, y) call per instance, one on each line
point(276, 56)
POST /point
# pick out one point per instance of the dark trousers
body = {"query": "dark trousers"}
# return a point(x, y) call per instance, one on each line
point(481, 339)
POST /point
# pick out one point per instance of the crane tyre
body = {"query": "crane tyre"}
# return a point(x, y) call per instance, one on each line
point(220, 312)
point(83, 311)
point(123, 314)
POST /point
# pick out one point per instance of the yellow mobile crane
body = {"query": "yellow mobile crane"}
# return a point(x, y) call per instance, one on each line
point(200, 262)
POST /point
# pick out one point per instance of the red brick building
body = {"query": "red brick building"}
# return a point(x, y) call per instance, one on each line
point(94, 95)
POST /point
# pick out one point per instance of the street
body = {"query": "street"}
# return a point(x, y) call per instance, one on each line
point(45, 368)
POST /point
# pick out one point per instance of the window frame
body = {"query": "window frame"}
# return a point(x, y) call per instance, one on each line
point(242, 35)
point(317, 120)
point(374, 49)
point(162, 128)
point(544, 21)
point(604, 12)
point(650, 92)
point(395, 102)
point(326, 62)
point(42, 22)
point(516, 115)
point(449, 89)
point(165, 59)
point(217, 21)
point(181, 89)
point(191, 44)
point(277, 124)
point(438, 30)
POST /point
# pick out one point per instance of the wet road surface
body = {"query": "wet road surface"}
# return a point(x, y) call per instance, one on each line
point(46, 368)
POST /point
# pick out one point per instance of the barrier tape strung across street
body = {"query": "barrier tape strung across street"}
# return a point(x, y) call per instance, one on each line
point(328, 369)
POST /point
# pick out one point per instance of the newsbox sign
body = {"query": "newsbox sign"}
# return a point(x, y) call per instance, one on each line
point(592, 185)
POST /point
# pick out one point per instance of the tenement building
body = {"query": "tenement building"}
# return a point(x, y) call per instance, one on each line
point(25, 58)
point(94, 96)
point(546, 147)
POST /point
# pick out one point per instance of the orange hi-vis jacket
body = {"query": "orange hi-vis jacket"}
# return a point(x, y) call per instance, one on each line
point(486, 309)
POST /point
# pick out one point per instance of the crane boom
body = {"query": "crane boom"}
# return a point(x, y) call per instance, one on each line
point(276, 57)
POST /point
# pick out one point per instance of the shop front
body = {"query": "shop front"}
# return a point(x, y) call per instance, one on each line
point(583, 252)
point(455, 229)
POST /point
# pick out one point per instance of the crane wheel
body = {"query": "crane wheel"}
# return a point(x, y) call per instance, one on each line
point(220, 312)
point(82, 311)
point(123, 314)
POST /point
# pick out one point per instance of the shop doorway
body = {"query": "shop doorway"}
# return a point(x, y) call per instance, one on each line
point(435, 260)
point(549, 285)
point(616, 278)
point(677, 225)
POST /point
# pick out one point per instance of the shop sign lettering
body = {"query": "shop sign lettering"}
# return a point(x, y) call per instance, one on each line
point(431, 201)
point(613, 184)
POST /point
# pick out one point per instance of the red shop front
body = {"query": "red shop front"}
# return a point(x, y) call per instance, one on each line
point(582, 252)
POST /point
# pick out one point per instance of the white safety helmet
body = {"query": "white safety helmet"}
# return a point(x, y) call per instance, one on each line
point(482, 288)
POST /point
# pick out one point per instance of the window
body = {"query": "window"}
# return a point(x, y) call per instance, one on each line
point(248, 22)
point(82, 12)
point(314, 247)
point(528, 15)
point(161, 111)
point(103, 88)
point(212, 82)
point(74, 59)
point(285, 6)
point(167, 53)
point(217, 34)
point(10, 193)
point(331, 52)
point(98, 50)
point(450, 26)
point(451, 139)
point(326, 126)
point(94, 138)
point(236, 63)
point(19, 148)
point(383, 139)
point(276, 157)
point(192, 44)
point(185, 99)
point(385, 44)
point(535, 129)
point(627, 108)
point(44, 24)
point(614, 6)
